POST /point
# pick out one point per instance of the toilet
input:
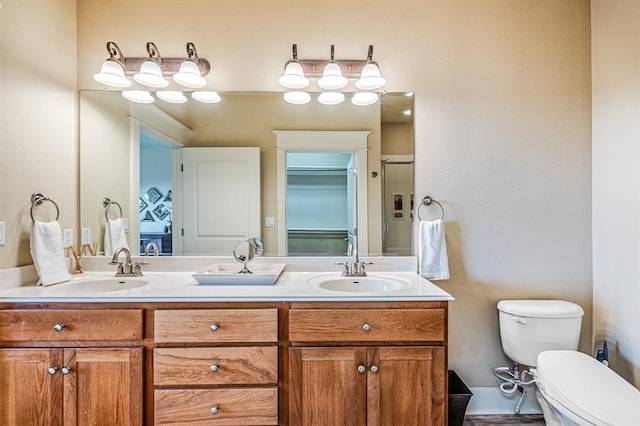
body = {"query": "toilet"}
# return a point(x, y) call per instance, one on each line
point(572, 388)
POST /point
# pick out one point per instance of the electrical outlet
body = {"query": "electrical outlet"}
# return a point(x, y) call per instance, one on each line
point(2, 234)
point(85, 234)
point(67, 238)
point(269, 221)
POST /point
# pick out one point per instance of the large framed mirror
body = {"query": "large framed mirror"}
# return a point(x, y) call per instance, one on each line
point(136, 154)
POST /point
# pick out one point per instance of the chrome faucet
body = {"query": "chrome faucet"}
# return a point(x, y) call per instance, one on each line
point(151, 245)
point(354, 267)
point(126, 269)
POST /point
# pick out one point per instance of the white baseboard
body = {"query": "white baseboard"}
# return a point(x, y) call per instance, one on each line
point(490, 400)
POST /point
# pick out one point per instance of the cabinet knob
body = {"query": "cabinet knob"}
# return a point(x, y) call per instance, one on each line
point(366, 327)
point(361, 369)
point(65, 370)
point(214, 327)
point(374, 369)
point(214, 368)
point(58, 327)
point(214, 409)
point(52, 370)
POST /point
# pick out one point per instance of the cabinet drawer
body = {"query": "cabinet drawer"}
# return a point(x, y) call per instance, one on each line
point(215, 366)
point(216, 406)
point(366, 325)
point(216, 325)
point(69, 325)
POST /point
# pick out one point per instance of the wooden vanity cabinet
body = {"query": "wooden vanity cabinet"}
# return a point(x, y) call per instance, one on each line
point(367, 365)
point(216, 366)
point(62, 367)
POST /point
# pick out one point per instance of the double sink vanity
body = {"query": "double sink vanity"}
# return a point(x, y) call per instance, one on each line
point(315, 348)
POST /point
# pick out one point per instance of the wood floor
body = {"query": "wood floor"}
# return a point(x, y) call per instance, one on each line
point(503, 420)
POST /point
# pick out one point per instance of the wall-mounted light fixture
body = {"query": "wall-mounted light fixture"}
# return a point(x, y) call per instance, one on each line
point(151, 71)
point(332, 76)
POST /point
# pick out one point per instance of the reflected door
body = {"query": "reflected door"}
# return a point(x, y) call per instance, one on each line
point(221, 204)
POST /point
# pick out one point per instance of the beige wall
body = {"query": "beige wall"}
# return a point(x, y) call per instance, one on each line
point(37, 118)
point(502, 124)
point(616, 201)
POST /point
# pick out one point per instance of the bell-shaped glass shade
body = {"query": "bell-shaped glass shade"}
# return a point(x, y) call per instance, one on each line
point(138, 96)
point(332, 78)
point(189, 76)
point(293, 77)
point(331, 98)
point(364, 98)
point(297, 98)
point(172, 96)
point(112, 74)
point(206, 96)
point(150, 75)
point(370, 78)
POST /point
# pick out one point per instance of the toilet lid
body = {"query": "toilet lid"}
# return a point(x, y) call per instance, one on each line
point(587, 388)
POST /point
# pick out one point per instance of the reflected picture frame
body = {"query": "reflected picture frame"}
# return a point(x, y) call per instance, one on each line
point(152, 195)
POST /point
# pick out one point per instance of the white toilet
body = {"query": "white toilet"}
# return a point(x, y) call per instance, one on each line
point(573, 388)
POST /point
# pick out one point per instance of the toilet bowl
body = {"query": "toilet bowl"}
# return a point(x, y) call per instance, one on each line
point(576, 389)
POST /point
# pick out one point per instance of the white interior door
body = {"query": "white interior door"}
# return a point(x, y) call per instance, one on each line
point(221, 205)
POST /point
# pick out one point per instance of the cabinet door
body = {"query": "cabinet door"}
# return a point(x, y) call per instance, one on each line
point(29, 394)
point(326, 387)
point(103, 386)
point(406, 386)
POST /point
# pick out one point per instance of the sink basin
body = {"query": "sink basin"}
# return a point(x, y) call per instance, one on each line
point(229, 274)
point(100, 285)
point(366, 284)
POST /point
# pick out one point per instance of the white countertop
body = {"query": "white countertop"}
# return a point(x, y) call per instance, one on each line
point(180, 286)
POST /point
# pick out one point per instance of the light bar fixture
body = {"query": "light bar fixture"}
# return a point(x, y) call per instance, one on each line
point(332, 76)
point(152, 71)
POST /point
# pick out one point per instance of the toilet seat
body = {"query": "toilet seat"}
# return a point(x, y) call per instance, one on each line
point(580, 386)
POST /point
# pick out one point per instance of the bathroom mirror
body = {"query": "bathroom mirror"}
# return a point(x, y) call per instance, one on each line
point(131, 154)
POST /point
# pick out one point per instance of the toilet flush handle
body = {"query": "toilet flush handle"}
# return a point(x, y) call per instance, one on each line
point(520, 320)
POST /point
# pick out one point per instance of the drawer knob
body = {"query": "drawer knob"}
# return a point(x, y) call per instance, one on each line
point(366, 327)
point(214, 409)
point(214, 327)
point(58, 327)
point(214, 368)
point(52, 370)
point(374, 368)
point(65, 370)
point(361, 369)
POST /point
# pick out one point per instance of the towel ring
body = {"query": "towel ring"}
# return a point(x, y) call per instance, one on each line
point(36, 199)
point(107, 203)
point(426, 201)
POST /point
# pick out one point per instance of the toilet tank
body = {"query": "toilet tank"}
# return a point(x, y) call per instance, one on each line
point(528, 327)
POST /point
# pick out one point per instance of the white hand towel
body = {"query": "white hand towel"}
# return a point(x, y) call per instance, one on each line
point(114, 236)
point(47, 252)
point(434, 262)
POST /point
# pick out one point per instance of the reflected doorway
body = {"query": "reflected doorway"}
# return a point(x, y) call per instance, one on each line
point(398, 206)
point(320, 203)
point(156, 192)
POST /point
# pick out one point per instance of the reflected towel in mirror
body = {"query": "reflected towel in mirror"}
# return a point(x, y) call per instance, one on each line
point(47, 252)
point(114, 236)
point(434, 262)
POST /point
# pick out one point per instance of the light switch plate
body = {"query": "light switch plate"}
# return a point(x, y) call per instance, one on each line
point(2, 234)
point(269, 221)
point(67, 238)
point(85, 234)
point(125, 224)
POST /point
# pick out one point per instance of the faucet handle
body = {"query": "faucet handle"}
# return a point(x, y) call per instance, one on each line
point(345, 267)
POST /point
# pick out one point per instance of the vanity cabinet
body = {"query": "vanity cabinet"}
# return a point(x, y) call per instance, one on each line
point(233, 382)
point(223, 363)
point(71, 367)
point(367, 366)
